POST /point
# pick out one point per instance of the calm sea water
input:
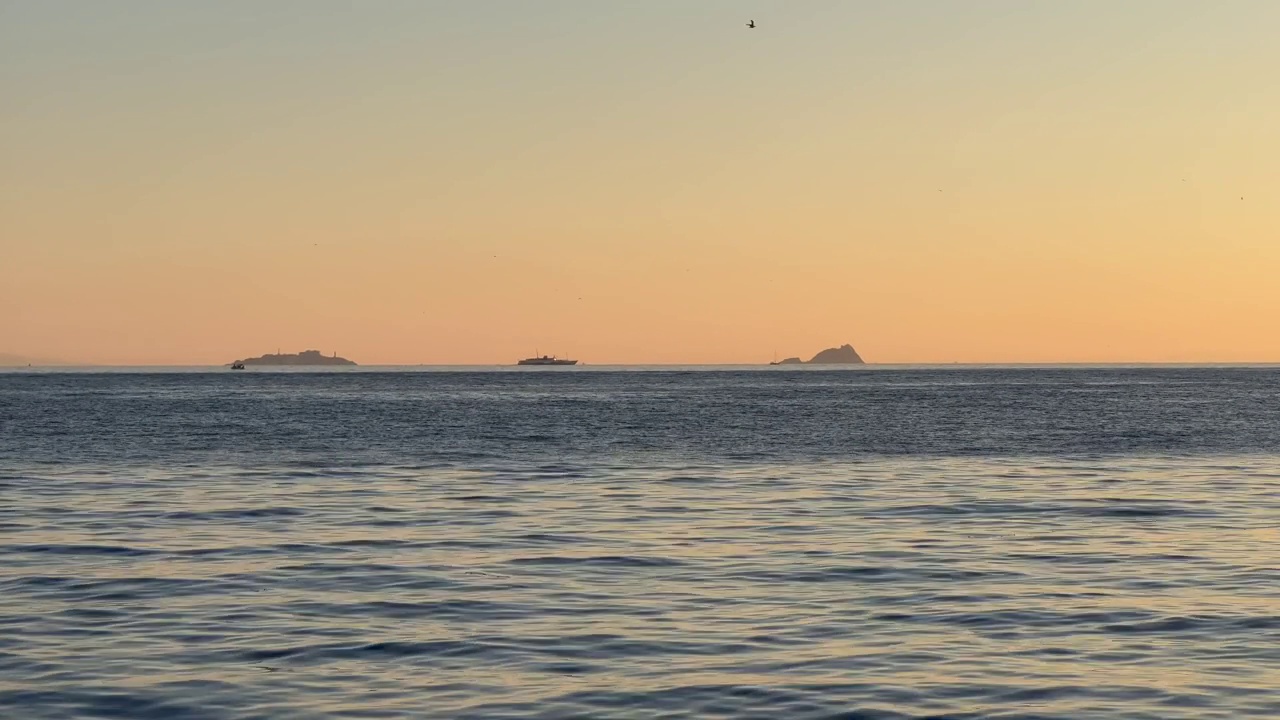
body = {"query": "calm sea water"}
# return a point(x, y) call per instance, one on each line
point(893, 543)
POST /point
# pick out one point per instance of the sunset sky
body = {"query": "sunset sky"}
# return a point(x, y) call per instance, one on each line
point(644, 182)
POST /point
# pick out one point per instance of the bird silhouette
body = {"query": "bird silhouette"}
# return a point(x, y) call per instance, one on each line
point(751, 24)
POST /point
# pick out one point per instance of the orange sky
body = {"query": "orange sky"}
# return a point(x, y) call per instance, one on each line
point(433, 183)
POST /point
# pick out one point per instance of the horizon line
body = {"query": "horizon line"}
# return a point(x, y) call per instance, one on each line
point(1014, 363)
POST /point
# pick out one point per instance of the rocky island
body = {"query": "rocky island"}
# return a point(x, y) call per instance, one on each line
point(307, 357)
point(843, 355)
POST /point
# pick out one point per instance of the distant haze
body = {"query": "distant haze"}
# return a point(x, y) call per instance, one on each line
point(471, 182)
point(10, 360)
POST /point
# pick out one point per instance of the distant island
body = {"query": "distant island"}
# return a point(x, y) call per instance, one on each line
point(843, 355)
point(307, 357)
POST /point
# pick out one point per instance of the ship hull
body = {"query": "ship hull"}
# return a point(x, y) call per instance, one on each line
point(541, 361)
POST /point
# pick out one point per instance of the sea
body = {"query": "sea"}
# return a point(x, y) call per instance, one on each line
point(873, 543)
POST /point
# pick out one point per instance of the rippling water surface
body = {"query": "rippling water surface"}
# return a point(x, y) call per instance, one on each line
point(892, 543)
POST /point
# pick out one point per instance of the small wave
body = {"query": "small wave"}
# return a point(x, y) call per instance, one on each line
point(142, 705)
point(101, 550)
point(545, 538)
point(695, 480)
point(873, 574)
point(1195, 624)
point(232, 514)
point(322, 652)
point(1150, 509)
point(620, 561)
point(1141, 512)
point(122, 589)
point(697, 701)
point(459, 608)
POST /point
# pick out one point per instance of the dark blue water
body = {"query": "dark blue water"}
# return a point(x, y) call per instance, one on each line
point(892, 543)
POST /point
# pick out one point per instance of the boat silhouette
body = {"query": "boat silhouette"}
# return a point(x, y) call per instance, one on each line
point(546, 360)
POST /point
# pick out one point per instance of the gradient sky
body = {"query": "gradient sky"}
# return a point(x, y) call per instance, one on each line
point(468, 181)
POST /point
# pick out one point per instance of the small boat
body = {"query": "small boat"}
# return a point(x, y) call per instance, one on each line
point(546, 360)
point(237, 366)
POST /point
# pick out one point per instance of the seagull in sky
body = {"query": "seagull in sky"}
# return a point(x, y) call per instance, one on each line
point(751, 24)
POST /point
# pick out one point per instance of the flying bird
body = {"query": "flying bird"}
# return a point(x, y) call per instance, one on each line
point(751, 24)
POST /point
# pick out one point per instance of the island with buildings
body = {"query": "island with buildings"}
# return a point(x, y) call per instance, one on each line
point(843, 355)
point(307, 357)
